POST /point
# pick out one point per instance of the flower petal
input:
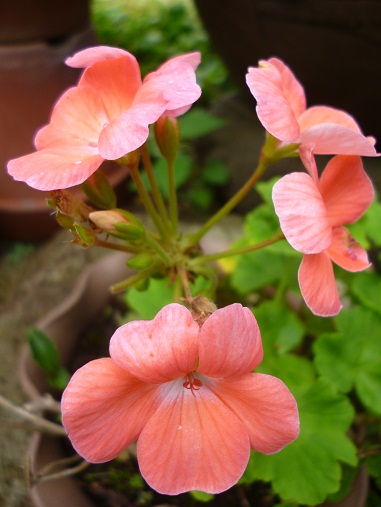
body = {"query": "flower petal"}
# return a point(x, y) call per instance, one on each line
point(116, 82)
point(318, 286)
point(104, 409)
point(328, 139)
point(90, 56)
point(230, 343)
point(55, 168)
point(176, 80)
point(325, 114)
point(192, 442)
point(274, 102)
point(302, 213)
point(265, 406)
point(158, 350)
point(346, 252)
point(346, 189)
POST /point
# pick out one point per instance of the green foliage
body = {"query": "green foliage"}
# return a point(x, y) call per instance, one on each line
point(201, 496)
point(309, 469)
point(351, 357)
point(45, 354)
point(198, 122)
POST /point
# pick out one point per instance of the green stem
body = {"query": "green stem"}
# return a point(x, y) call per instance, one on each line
point(156, 193)
point(119, 246)
point(158, 249)
point(242, 192)
point(172, 196)
point(132, 280)
point(237, 251)
point(147, 202)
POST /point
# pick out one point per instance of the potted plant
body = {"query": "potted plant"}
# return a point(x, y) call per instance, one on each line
point(180, 378)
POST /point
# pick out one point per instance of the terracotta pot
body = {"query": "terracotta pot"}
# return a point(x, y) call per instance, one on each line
point(331, 45)
point(65, 325)
point(41, 20)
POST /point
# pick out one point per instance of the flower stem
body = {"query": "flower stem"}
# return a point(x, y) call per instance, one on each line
point(238, 251)
point(158, 249)
point(119, 246)
point(147, 202)
point(264, 162)
point(156, 193)
point(173, 205)
point(132, 280)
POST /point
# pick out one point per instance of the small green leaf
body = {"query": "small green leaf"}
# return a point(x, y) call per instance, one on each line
point(265, 189)
point(309, 469)
point(43, 350)
point(148, 302)
point(198, 122)
point(215, 173)
point(60, 379)
point(201, 496)
point(99, 190)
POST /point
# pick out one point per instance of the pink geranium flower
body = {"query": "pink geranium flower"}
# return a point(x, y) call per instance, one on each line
point(106, 116)
point(281, 108)
point(187, 394)
point(312, 214)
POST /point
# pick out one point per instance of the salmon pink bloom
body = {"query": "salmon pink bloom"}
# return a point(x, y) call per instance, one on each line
point(105, 116)
point(281, 108)
point(186, 392)
point(312, 214)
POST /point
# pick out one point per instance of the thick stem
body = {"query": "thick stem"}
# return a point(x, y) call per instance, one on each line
point(132, 280)
point(173, 204)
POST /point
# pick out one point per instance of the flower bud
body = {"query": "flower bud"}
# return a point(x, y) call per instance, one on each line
point(140, 261)
point(99, 190)
point(119, 223)
point(167, 137)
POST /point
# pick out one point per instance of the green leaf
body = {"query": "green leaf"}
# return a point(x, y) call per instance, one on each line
point(215, 173)
point(198, 122)
point(309, 469)
point(265, 189)
point(201, 496)
point(351, 357)
point(147, 303)
point(281, 329)
point(43, 350)
point(367, 288)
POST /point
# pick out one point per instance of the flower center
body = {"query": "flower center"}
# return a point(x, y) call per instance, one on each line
point(192, 383)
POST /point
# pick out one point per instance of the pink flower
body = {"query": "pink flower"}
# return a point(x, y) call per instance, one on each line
point(106, 116)
point(312, 213)
point(187, 394)
point(281, 108)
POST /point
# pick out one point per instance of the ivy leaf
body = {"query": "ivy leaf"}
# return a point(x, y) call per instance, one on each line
point(309, 469)
point(351, 357)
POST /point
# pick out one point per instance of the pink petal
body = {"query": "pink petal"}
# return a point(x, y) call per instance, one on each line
point(104, 409)
point(55, 168)
point(77, 120)
point(91, 56)
point(265, 406)
point(346, 189)
point(116, 82)
point(192, 442)
point(158, 350)
point(292, 88)
point(329, 138)
point(230, 343)
point(346, 252)
point(274, 109)
point(308, 159)
point(318, 286)
point(302, 213)
point(324, 114)
point(176, 80)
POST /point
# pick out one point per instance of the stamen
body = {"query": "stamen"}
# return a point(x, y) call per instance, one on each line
point(194, 384)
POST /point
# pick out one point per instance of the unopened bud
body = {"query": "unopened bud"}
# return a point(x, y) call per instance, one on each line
point(83, 236)
point(99, 190)
point(140, 261)
point(119, 223)
point(167, 137)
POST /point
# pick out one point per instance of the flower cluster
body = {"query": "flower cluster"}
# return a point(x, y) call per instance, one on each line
point(182, 384)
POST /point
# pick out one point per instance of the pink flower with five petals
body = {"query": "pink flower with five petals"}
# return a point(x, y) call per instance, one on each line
point(187, 394)
point(105, 116)
point(282, 110)
point(312, 213)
